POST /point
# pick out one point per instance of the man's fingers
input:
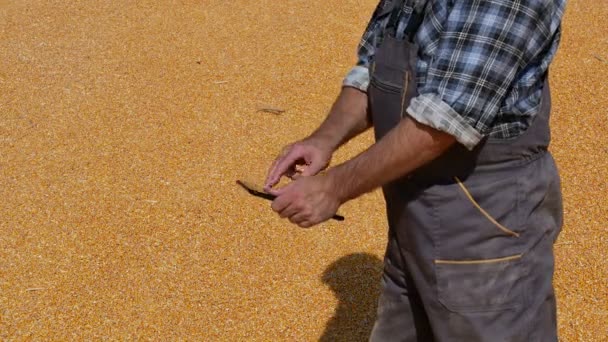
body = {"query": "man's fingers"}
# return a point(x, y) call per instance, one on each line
point(289, 211)
point(305, 224)
point(269, 183)
point(294, 174)
point(280, 204)
point(280, 168)
point(275, 163)
point(301, 220)
point(312, 169)
point(280, 191)
point(298, 217)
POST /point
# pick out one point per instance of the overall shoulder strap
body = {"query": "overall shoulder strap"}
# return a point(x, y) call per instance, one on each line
point(413, 23)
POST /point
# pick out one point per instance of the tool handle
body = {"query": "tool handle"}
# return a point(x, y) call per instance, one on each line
point(271, 197)
point(338, 217)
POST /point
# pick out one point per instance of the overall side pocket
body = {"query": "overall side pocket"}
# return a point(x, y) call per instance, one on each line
point(480, 285)
point(478, 251)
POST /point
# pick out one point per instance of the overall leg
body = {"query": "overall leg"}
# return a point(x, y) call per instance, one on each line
point(401, 315)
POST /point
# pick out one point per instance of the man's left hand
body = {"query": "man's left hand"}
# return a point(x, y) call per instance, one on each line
point(307, 201)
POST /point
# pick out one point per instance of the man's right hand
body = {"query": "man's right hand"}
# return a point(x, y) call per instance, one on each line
point(347, 118)
point(303, 158)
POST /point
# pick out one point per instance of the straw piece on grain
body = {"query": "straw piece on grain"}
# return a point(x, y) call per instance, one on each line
point(272, 110)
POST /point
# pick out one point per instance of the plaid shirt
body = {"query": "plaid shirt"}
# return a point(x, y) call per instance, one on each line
point(481, 66)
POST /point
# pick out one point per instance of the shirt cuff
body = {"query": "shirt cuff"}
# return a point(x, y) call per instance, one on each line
point(358, 77)
point(430, 110)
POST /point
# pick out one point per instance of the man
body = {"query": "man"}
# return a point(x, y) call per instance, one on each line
point(457, 93)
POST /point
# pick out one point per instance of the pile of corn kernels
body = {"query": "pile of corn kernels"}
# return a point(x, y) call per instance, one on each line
point(124, 125)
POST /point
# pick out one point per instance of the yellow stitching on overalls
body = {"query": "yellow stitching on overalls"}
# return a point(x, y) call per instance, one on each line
point(480, 261)
point(406, 83)
point(468, 194)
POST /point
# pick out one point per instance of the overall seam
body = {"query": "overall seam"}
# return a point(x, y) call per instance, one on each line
point(406, 81)
point(483, 211)
point(479, 261)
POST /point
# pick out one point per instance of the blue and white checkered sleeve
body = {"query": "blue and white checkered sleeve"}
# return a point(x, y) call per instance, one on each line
point(482, 47)
point(358, 77)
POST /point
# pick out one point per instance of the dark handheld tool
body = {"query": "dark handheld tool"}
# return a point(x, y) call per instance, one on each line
point(255, 191)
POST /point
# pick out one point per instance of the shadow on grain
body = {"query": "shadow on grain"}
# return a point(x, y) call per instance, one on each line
point(355, 280)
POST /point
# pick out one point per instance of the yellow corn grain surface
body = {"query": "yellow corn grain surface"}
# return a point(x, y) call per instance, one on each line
point(123, 126)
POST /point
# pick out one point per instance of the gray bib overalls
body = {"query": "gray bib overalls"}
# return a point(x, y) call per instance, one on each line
point(469, 255)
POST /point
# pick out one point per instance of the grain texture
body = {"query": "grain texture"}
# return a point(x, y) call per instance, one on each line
point(123, 126)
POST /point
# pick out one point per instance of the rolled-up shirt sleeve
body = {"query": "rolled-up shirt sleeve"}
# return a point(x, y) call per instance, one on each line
point(481, 47)
point(358, 76)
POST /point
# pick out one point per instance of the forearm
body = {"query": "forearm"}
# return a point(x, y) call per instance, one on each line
point(347, 118)
point(405, 148)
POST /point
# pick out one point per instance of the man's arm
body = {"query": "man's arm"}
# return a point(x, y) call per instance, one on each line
point(404, 149)
point(311, 200)
point(347, 118)
point(349, 115)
